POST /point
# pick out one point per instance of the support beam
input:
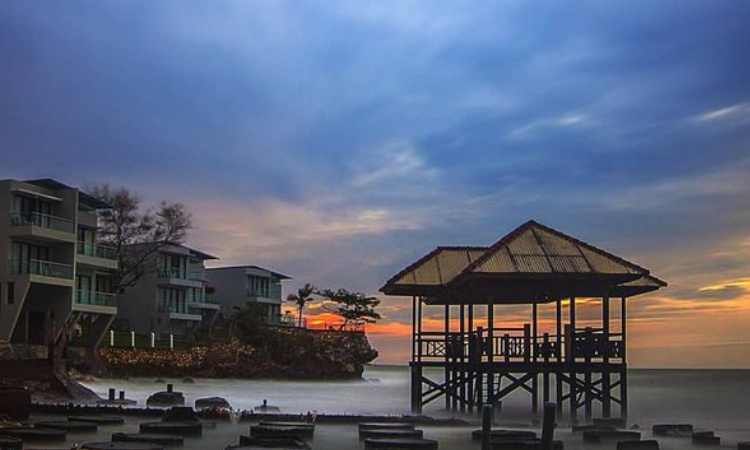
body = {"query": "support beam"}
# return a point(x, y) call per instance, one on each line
point(606, 380)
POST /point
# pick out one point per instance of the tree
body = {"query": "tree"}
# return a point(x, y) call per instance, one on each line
point(303, 296)
point(126, 224)
point(355, 308)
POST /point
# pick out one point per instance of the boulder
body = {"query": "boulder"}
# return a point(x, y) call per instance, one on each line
point(211, 402)
point(743, 445)
point(273, 442)
point(179, 428)
point(70, 426)
point(523, 444)
point(649, 444)
point(672, 429)
point(16, 403)
point(410, 434)
point(501, 434)
point(707, 438)
point(613, 422)
point(152, 438)
point(295, 431)
point(99, 419)
point(180, 414)
point(393, 443)
point(385, 426)
point(165, 399)
point(599, 437)
point(28, 434)
point(121, 446)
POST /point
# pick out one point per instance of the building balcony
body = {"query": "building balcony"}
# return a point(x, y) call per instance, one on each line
point(92, 301)
point(43, 226)
point(182, 312)
point(260, 296)
point(97, 255)
point(42, 271)
point(178, 277)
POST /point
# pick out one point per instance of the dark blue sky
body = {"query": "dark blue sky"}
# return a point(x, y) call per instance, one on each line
point(340, 141)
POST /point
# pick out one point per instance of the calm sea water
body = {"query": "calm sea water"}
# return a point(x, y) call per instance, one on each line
point(710, 399)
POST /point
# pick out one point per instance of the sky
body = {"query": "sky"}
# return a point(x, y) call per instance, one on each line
point(338, 142)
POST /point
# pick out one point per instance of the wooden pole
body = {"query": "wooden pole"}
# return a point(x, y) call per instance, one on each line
point(606, 381)
point(559, 359)
point(462, 357)
point(486, 427)
point(447, 330)
point(570, 336)
point(548, 426)
point(491, 354)
point(472, 368)
point(535, 376)
point(624, 372)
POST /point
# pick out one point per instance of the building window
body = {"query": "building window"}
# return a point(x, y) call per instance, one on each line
point(11, 292)
point(172, 300)
point(258, 287)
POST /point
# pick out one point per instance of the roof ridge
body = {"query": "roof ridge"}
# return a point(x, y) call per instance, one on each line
point(530, 224)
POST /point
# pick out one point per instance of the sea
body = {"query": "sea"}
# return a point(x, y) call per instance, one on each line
point(716, 400)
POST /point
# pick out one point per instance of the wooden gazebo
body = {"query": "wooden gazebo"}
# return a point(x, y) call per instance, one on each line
point(575, 366)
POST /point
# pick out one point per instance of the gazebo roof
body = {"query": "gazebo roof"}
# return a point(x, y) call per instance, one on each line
point(533, 263)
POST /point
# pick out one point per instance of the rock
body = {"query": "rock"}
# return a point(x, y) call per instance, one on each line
point(403, 434)
point(179, 428)
point(121, 446)
point(16, 403)
point(10, 443)
point(28, 434)
point(638, 445)
point(613, 422)
point(673, 429)
point(152, 438)
point(500, 434)
point(164, 398)
point(273, 442)
point(70, 426)
point(389, 443)
point(211, 402)
point(523, 444)
point(180, 414)
point(296, 431)
point(743, 445)
point(188, 380)
point(583, 428)
point(385, 426)
point(707, 438)
point(599, 437)
point(99, 419)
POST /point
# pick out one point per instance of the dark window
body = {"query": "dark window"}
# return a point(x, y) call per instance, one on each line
point(11, 293)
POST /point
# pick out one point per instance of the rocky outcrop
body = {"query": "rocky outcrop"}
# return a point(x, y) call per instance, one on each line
point(295, 354)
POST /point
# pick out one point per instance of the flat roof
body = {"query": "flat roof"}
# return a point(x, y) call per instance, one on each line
point(251, 266)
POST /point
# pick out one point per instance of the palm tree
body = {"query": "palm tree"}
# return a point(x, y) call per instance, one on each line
point(304, 295)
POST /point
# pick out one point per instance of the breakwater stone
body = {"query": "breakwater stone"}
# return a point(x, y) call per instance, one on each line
point(71, 426)
point(10, 443)
point(301, 430)
point(584, 428)
point(600, 437)
point(273, 442)
point(401, 444)
point(121, 446)
point(385, 426)
point(179, 428)
point(211, 402)
point(706, 438)
point(743, 445)
point(99, 420)
point(613, 422)
point(672, 429)
point(180, 414)
point(501, 434)
point(166, 398)
point(409, 434)
point(28, 434)
point(649, 444)
point(152, 438)
point(523, 444)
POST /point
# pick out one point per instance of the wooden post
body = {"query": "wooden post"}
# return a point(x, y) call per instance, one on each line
point(447, 370)
point(486, 427)
point(416, 388)
point(606, 381)
point(570, 337)
point(535, 375)
point(587, 394)
point(491, 353)
point(472, 367)
point(545, 376)
point(480, 373)
point(559, 359)
point(624, 371)
point(413, 327)
point(548, 426)
point(462, 357)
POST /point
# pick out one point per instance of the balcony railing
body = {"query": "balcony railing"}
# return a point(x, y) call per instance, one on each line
point(196, 276)
point(40, 267)
point(97, 251)
point(43, 220)
point(85, 297)
point(172, 272)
